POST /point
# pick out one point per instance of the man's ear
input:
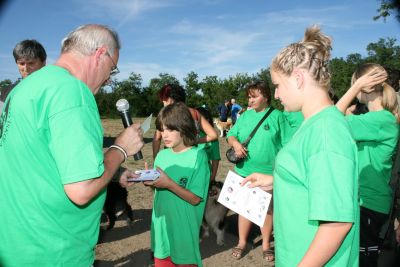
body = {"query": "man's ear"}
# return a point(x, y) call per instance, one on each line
point(298, 75)
point(99, 52)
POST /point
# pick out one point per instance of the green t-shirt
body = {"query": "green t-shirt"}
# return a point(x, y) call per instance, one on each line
point(51, 135)
point(175, 225)
point(315, 179)
point(264, 145)
point(293, 121)
point(376, 135)
point(211, 148)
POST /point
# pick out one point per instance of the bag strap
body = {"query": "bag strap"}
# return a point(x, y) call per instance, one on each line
point(246, 142)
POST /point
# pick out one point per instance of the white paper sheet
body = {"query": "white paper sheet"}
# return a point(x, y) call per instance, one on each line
point(146, 124)
point(251, 203)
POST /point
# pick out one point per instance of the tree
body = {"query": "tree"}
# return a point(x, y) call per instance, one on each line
point(387, 8)
point(5, 83)
point(193, 90)
point(384, 52)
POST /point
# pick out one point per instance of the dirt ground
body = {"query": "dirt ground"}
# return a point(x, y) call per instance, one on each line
point(129, 245)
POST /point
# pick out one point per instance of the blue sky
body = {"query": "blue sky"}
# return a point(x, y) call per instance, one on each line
point(209, 37)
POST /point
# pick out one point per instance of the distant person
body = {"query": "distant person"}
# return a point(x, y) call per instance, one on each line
point(376, 133)
point(315, 179)
point(181, 191)
point(29, 55)
point(236, 110)
point(173, 93)
point(223, 112)
point(54, 172)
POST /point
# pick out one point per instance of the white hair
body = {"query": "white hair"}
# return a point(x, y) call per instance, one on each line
point(87, 38)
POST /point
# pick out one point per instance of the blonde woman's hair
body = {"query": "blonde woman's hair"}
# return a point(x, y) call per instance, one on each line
point(311, 54)
point(389, 97)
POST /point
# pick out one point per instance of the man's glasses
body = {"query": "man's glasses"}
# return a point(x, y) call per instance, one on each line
point(114, 71)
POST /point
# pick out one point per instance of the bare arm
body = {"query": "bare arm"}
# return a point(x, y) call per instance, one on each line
point(156, 143)
point(208, 129)
point(214, 169)
point(83, 192)
point(326, 242)
point(365, 83)
point(165, 182)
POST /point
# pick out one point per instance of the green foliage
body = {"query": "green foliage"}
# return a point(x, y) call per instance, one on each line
point(5, 83)
point(387, 8)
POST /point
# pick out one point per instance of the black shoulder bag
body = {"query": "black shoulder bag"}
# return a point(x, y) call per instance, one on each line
point(230, 153)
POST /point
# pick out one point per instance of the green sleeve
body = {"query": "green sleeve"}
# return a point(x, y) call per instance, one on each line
point(200, 179)
point(331, 187)
point(77, 150)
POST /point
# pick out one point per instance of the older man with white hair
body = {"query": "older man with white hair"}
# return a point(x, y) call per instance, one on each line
point(54, 173)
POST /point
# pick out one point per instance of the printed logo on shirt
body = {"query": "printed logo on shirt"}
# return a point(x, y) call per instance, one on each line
point(183, 181)
point(266, 127)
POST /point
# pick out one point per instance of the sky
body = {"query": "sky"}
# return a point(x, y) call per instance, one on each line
point(209, 37)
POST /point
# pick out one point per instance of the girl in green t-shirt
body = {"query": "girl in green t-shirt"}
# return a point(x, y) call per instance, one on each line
point(181, 190)
point(376, 134)
point(315, 175)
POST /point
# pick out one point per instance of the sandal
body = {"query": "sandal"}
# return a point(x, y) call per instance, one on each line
point(237, 252)
point(269, 255)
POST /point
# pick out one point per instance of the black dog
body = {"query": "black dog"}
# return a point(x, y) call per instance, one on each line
point(116, 202)
point(215, 214)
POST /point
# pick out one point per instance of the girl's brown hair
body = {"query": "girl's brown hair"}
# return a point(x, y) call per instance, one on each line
point(177, 117)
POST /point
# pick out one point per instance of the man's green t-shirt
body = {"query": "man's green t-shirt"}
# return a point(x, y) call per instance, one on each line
point(51, 135)
point(175, 224)
point(264, 145)
point(316, 180)
point(376, 135)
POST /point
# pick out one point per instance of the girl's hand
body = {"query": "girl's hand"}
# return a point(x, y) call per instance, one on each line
point(127, 174)
point(162, 182)
point(240, 150)
point(264, 181)
point(368, 81)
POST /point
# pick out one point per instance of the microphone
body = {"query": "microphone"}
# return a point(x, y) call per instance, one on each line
point(123, 108)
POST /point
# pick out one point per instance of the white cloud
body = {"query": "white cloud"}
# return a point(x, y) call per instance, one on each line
point(121, 10)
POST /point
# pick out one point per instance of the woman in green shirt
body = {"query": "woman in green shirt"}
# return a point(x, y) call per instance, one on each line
point(315, 173)
point(376, 134)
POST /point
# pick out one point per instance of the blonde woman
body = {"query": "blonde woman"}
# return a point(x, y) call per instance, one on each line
point(376, 134)
point(316, 212)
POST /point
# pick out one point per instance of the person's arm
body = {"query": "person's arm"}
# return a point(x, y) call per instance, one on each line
point(365, 83)
point(214, 169)
point(164, 181)
point(240, 150)
point(326, 242)
point(264, 181)
point(83, 192)
point(208, 129)
point(156, 143)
